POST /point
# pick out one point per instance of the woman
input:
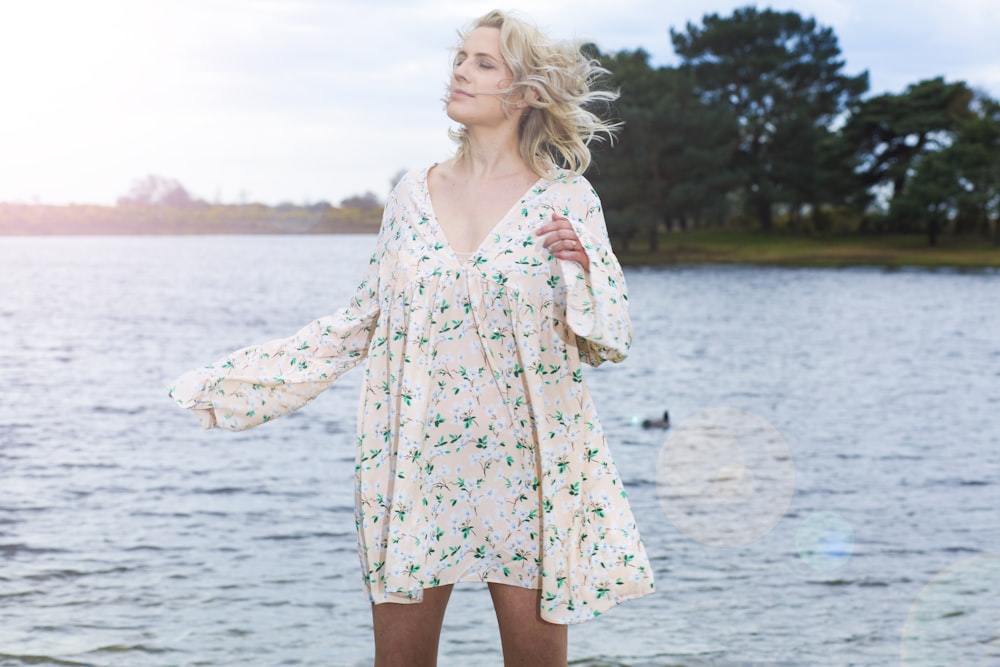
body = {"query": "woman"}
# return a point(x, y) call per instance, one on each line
point(480, 456)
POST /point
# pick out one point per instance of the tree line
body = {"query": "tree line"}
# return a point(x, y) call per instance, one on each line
point(760, 127)
point(155, 190)
point(158, 205)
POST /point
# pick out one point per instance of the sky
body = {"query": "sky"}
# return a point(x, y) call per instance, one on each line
point(301, 101)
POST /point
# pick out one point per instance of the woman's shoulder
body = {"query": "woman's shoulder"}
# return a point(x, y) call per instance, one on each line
point(411, 178)
point(564, 178)
point(563, 183)
point(410, 188)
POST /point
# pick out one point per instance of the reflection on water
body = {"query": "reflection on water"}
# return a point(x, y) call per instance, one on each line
point(130, 537)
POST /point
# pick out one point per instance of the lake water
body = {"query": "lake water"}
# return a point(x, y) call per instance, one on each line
point(848, 514)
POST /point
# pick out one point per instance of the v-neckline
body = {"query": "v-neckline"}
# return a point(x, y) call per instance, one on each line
point(439, 231)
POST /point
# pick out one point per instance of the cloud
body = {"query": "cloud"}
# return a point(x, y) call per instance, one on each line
point(296, 98)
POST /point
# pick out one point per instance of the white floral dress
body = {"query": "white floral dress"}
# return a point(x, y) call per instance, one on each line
point(479, 452)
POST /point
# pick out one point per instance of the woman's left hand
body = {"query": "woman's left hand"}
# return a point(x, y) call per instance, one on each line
point(562, 241)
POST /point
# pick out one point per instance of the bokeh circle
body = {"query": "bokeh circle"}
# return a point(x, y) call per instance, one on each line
point(825, 541)
point(724, 477)
point(955, 620)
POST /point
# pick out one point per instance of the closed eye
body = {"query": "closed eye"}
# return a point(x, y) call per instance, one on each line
point(485, 61)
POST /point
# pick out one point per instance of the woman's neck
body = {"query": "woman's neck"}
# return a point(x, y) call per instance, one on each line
point(491, 153)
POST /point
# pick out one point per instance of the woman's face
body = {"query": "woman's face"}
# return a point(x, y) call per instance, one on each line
point(479, 75)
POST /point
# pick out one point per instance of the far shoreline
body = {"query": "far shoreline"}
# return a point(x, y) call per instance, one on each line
point(779, 248)
point(145, 220)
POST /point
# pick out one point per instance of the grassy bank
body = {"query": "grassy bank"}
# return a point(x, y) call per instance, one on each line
point(782, 249)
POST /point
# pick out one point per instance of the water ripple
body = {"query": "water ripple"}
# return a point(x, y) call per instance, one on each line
point(130, 538)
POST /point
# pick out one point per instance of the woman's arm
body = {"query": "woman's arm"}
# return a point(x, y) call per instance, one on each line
point(263, 382)
point(596, 295)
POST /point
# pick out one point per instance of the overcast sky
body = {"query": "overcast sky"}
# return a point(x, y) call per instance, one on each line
point(307, 100)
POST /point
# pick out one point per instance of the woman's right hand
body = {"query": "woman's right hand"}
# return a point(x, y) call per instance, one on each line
point(561, 240)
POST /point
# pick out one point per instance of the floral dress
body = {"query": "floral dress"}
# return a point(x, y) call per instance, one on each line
point(479, 452)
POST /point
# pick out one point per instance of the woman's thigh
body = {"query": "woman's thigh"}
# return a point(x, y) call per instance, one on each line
point(408, 634)
point(527, 640)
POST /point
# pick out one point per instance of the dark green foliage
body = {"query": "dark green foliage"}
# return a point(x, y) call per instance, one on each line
point(780, 74)
point(889, 134)
point(976, 154)
point(760, 123)
point(673, 161)
point(957, 185)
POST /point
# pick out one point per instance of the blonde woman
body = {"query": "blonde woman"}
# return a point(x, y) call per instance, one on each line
point(480, 456)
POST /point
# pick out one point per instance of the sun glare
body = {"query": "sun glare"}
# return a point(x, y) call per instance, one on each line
point(69, 70)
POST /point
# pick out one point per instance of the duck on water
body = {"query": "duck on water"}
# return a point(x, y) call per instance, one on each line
point(658, 423)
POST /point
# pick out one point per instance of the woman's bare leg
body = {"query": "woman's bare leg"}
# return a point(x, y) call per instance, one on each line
point(527, 640)
point(407, 635)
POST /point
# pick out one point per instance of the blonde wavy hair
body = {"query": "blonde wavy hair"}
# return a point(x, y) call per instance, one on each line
point(555, 79)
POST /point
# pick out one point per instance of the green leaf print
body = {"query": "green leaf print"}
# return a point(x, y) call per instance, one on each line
point(372, 453)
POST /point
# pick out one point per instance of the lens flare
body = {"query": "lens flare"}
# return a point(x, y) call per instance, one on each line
point(825, 541)
point(725, 477)
point(955, 620)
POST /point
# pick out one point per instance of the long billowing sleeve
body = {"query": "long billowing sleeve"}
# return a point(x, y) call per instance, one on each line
point(262, 382)
point(597, 300)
